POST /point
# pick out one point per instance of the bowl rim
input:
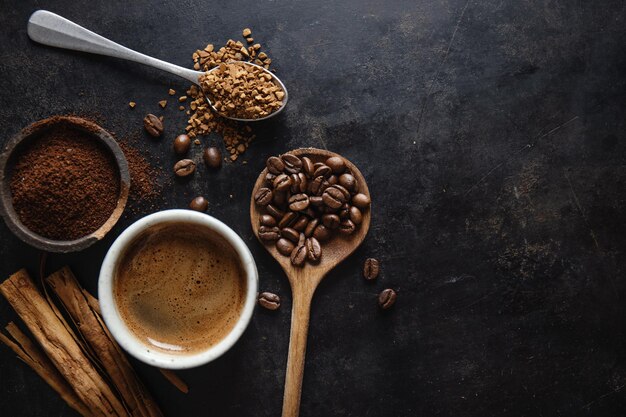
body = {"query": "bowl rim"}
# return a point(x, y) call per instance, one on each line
point(11, 218)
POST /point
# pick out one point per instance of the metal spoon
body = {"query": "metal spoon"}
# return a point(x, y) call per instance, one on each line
point(51, 29)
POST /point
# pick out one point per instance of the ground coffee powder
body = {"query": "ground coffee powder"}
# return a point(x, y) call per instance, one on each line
point(65, 184)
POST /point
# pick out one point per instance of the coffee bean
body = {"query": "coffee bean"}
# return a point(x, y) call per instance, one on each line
point(199, 204)
point(355, 215)
point(337, 164)
point(269, 300)
point(348, 182)
point(282, 182)
point(295, 183)
point(299, 255)
point(212, 157)
point(300, 224)
point(269, 177)
point(361, 201)
point(314, 249)
point(184, 167)
point(310, 228)
point(304, 182)
point(317, 165)
point(332, 180)
point(267, 220)
point(316, 201)
point(284, 246)
point(153, 125)
point(293, 164)
point(273, 211)
point(333, 197)
point(275, 165)
point(387, 298)
point(344, 212)
point(288, 219)
point(291, 234)
point(346, 227)
point(269, 233)
point(298, 202)
point(321, 233)
point(323, 170)
point(331, 221)
point(344, 191)
point(316, 186)
point(280, 198)
point(307, 166)
point(263, 197)
point(301, 239)
point(181, 145)
point(371, 268)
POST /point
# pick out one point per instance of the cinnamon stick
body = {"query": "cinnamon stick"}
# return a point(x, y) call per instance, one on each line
point(112, 359)
point(32, 356)
point(59, 345)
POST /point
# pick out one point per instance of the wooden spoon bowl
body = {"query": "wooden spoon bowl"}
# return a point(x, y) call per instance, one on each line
point(304, 280)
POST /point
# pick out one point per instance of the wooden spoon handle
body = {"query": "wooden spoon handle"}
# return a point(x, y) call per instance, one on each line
point(300, 314)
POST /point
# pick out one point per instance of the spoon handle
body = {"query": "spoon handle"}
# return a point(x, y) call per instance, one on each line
point(300, 314)
point(53, 30)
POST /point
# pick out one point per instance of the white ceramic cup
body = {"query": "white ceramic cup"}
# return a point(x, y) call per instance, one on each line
point(126, 338)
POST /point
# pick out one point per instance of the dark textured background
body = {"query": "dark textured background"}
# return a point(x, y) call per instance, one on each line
point(492, 136)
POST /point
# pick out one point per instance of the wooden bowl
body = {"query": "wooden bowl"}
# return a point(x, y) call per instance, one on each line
point(7, 161)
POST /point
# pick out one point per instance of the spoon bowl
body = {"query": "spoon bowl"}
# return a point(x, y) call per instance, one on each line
point(53, 30)
point(304, 280)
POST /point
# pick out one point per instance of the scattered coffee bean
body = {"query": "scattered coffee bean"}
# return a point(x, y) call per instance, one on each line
point(267, 220)
point(199, 204)
point(153, 125)
point(212, 157)
point(314, 249)
point(371, 268)
point(275, 165)
point(263, 197)
point(269, 234)
point(316, 201)
point(284, 246)
point(361, 201)
point(387, 298)
point(298, 202)
point(182, 143)
point(336, 164)
point(291, 234)
point(355, 215)
point(269, 300)
point(299, 255)
point(184, 167)
point(293, 164)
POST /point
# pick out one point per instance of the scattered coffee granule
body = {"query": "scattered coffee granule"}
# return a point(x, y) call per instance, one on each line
point(65, 184)
point(171, 92)
point(144, 185)
point(163, 103)
point(242, 91)
point(132, 104)
point(203, 119)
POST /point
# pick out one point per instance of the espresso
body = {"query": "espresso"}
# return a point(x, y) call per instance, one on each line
point(180, 288)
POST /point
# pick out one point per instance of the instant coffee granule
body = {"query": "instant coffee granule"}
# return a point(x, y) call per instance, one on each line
point(202, 121)
point(64, 184)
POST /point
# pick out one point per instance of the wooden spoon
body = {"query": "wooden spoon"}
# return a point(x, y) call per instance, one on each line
point(304, 280)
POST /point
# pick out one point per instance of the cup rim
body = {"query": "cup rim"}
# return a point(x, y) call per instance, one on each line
point(118, 328)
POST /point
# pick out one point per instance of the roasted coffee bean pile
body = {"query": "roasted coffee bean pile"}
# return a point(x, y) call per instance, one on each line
point(304, 204)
